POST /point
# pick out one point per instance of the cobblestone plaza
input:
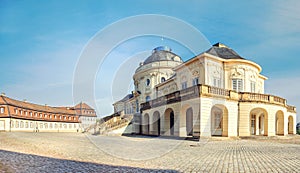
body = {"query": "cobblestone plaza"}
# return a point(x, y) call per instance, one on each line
point(76, 152)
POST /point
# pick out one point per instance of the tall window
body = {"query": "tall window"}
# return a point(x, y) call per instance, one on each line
point(137, 105)
point(237, 85)
point(1, 110)
point(253, 87)
point(148, 98)
point(147, 82)
point(217, 82)
point(196, 81)
point(184, 85)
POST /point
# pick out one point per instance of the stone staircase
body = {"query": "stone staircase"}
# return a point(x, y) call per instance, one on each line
point(112, 126)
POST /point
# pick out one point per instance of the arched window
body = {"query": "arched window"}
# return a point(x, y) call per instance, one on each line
point(147, 82)
point(163, 79)
point(148, 98)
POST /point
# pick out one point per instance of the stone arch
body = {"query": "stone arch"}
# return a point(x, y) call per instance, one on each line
point(169, 122)
point(146, 124)
point(258, 122)
point(156, 123)
point(290, 125)
point(219, 120)
point(189, 121)
point(279, 123)
point(186, 121)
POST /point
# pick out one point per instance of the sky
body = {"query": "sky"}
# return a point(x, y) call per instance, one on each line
point(42, 43)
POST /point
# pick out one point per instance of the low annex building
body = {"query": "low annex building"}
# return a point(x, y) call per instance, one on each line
point(18, 115)
point(216, 93)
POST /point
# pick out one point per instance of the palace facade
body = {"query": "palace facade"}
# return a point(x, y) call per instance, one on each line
point(18, 115)
point(216, 93)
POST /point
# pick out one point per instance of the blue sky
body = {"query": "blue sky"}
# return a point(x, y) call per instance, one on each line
point(41, 42)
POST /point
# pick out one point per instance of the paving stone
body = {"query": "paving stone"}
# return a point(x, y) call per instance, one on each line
point(70, 152)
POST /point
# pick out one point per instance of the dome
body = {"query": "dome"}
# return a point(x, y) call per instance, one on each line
point(162, 53)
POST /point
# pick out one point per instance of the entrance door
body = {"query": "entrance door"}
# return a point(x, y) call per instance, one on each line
point(189, 122)
point(172, 123)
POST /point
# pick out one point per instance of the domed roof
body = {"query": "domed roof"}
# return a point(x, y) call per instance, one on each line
point(162, 53)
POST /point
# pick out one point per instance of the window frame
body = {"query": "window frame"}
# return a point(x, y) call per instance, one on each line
point(237, 84)
point(253, 86)
point(2, 110)
point(184, 85)
point(148, 82)
point(195, 81)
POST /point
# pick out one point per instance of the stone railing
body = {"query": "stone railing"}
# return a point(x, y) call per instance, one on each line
point(177, 96)
point(245, 96)
point(291, 108)
point(218, 91)
point(279, 100)
point(210, 91)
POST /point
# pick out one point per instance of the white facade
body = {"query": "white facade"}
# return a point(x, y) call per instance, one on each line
point(217, 93)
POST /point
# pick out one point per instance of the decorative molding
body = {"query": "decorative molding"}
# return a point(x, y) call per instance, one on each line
point(237, 73)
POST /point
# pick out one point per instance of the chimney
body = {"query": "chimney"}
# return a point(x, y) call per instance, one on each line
point(25, 100)
point(3, 94)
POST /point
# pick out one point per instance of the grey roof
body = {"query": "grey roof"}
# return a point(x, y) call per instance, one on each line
point(127, 97)
point(222, 51)
point(162, 53)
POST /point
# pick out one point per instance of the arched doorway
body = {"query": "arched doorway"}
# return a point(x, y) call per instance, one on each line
point(156, 123)
point(279, 123)
point(169, 121)
point(291, 125)
point(146, 124)
point(258, 122)
point(219, 120)
point(189, 122)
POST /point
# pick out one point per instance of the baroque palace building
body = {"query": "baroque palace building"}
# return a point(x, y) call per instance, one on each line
point(216, 93)
point(18, 115)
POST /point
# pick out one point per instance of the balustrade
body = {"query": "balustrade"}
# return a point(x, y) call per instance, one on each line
point(198, 90)
point(218, 91)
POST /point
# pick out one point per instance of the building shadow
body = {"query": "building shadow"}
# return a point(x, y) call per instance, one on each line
point(20, 162)
point(196, 139)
